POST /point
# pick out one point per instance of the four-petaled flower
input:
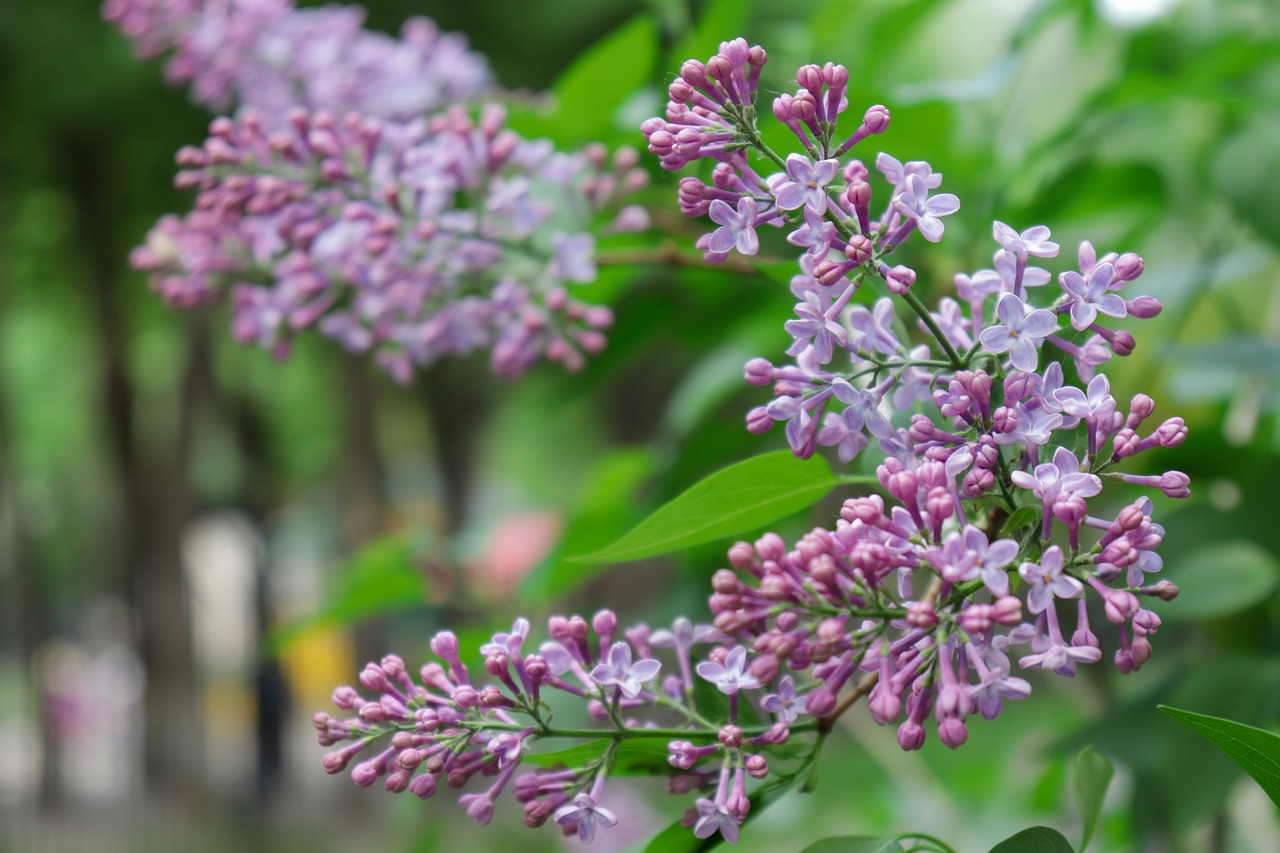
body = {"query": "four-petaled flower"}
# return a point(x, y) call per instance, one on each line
point(1019, 332)
point(732, 676)
point(713, 816)
point(914, 203)
point(587, 813)
point(784, 704)
point(618, 671)
point(1033, 241)
point(1090, 295)
point(808, 184)
point(1047, 580)
point(737, 229)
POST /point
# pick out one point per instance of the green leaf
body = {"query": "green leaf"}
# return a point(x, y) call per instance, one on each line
point(1256, 751)
point(855, 844)
point(1247, 189)
point(1023, 516)
point(1093, 775)
point(734, 500)
point(588, 93)
point(1220, 580)
point(1037, 839)
point(379, 578)
point(633, 757)
point(722, 20)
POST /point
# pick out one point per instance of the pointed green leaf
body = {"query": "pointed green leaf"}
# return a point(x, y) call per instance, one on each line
point(855, 844)
point(734, 500)
point(1022, 517)
point(1093, 775)
point(1037, 839)
point(1257, 751)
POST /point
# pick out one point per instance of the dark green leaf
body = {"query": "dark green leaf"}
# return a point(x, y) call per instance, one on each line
point(1037, 839)
point(734, 500)
point(1093, 775)
point(1255, 750)
point(589, 92)
point(722, 20)
point(1220, 580)
point(1022, 517)
point(633, 757)
point(855, 844)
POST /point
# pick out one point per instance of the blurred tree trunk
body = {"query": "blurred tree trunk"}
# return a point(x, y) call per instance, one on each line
point(153, 484)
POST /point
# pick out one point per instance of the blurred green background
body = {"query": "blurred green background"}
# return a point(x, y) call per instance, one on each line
point(197, 542)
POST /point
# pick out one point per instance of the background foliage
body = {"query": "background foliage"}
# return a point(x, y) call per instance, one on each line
point(379, 513)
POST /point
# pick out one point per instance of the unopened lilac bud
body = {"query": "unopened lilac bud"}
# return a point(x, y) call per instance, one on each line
point(479, 809)
point(859, 251)
point(366, 772)
point(921, 614)
point(1128, 267)
point(758, 421)
point(1124, 661)
point(347, 698)
point(1145, 622)
point(1172, 432)
point(911, 735)
point(757, 766)
point(1122, 343)
point(1007, 610)
point(876, 118)
point(820, 702)
point(535, 666)
point(537, 813)
point(977, 482)
point(1140, 651)
point(422, 786)
point(885, 703)
point(952, 732)
point(898, 280)
point(492, 697)
point(465, 696)
point(444, 645)
point(859, 194)
point(1144, 307)
point(1165, 590)
point(372, 677)
point(1019, 385)
point(810, 77)
point(1175, 484)
point(759, 371)
point(397, 781)
point(765, 668)
point(605, 622)
point(731, 736)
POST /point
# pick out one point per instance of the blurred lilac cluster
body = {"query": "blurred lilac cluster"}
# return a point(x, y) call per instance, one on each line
point(366, 190)
point(268, 55)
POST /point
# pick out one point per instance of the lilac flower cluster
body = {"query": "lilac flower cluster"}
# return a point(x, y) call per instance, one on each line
point(268, 55)
point(355, 194)
point(364, 231)
point(976, 427)
point(986, 548)
point(447, 728)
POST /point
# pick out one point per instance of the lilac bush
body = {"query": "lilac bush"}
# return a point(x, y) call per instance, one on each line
point(988, 552)
point(368, 188)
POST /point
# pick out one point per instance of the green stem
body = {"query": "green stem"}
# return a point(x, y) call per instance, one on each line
point(925, 317)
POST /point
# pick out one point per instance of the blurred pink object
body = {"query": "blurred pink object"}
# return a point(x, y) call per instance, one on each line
point(516, 544)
